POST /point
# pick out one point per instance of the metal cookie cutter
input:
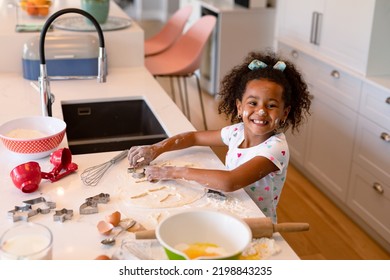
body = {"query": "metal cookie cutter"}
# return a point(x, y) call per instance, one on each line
point(216, 195)
point(27, 210)
point(62, 215)
point(100, 198)
point(136, 173)
point(48, 205)
point(90, 206)
point(21, 213)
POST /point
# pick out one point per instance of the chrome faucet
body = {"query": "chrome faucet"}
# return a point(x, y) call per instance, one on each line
point(47, 98)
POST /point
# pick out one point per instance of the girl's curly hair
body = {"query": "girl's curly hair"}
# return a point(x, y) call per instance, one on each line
point(295, 91)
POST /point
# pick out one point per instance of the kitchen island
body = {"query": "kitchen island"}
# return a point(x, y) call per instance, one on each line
point(79, 238)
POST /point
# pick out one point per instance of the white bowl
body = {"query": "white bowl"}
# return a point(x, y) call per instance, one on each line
point(225, 231)
point(32, 137)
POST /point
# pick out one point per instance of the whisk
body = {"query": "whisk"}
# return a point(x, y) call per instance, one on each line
point(92, 175)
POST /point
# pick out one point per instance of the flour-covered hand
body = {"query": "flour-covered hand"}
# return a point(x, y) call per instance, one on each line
point(140, 155)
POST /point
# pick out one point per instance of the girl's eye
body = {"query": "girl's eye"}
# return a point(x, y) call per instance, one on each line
point(253, 103)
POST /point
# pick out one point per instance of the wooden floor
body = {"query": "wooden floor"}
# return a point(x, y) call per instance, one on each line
point(332, 235)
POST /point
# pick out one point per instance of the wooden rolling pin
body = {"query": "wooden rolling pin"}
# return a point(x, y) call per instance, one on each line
point(263, 227)
point(260, 227)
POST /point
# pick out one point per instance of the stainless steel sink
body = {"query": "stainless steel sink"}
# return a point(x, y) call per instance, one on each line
point(102, 126)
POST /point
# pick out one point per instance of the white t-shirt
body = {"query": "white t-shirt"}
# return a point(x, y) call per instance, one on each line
point(265, 192)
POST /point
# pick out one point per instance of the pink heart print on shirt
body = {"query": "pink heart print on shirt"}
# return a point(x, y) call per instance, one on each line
point(283, 153)
point(266, 188)
point(239, 154)
point(260, 198)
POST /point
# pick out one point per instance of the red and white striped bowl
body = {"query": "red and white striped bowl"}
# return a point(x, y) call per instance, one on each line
point(33, 137)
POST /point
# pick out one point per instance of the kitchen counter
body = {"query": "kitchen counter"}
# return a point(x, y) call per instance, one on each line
point(127, 78)
point(78, 238)
point(124, 46)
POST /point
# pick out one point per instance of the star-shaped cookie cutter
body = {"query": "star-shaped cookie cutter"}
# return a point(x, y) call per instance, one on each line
point(62, 215)
point(21, 213)
point(29, 209)
point(90, 206)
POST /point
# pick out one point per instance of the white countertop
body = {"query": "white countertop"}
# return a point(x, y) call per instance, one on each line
point(124, 47)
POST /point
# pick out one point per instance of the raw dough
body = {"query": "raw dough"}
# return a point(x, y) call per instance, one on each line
point(164, 194)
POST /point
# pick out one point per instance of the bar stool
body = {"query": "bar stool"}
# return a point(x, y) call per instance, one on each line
point(184, 57)
point(170, 32)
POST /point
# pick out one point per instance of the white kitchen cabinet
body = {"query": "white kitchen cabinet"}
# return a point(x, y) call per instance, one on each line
point(369, 198)
point(297, 143)
point(369, 194)
point(352, 33)
point(375, 104)
point(372, 149)
point(332, 126)
point(295, 19)
point(324, 147)
point(345, 149)
point(305, 64)
point(330, 143)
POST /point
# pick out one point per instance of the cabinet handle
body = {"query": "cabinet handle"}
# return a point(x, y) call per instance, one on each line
point(385, 136)
point(315, 28)
point(84, 111)
point(335, 74)
point(295, 54)
point(388, 100)
point(318, 29)
point(378, 188)
point(313, 31)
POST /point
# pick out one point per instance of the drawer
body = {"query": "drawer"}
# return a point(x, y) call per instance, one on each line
point(375, 105)
point(339, 85)
point(369, 198)
point(333, 82)
point(372, 150)
point(305, 64)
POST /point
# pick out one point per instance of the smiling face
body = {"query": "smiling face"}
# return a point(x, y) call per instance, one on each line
point(262, 109)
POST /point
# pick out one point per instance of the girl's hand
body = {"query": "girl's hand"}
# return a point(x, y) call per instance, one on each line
point(158, 173)
point(141, 155)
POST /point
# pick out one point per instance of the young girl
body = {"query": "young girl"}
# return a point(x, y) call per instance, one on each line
point(263, 97)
